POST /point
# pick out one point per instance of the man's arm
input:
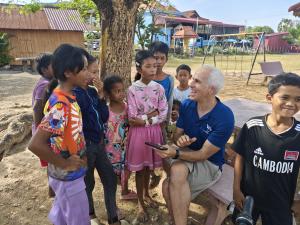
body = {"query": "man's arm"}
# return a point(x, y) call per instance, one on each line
point(187, 154)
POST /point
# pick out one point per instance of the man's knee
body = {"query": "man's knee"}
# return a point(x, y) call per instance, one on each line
point(178, 173)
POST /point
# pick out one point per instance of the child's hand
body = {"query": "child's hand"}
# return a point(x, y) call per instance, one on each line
point(296, 207)
point(185, 140)
point(238, 198)
point(152, 114)
point(174, 115)
point(135, 122)
point(73, 163)
point(99, 85)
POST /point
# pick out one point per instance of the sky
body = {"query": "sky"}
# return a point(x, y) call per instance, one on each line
point(241, 12)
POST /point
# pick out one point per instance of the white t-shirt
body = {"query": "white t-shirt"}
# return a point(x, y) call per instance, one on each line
point(181, 95)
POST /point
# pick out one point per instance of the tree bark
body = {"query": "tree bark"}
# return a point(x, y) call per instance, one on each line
point(118, 19)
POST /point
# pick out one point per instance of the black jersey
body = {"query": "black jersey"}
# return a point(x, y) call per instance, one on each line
point(271, 163)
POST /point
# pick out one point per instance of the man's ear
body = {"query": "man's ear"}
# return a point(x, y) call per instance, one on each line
point(212, 90)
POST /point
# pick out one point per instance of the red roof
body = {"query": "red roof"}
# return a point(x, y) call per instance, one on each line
point(185, 32)
point(45, 19)
point(277, 34)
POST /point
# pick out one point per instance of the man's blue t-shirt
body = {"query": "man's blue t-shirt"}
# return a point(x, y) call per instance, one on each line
point(215, 126)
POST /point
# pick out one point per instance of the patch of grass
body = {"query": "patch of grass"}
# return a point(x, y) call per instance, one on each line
point(238, 63)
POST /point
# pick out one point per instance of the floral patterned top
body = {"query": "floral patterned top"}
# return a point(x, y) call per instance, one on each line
point(145, 98)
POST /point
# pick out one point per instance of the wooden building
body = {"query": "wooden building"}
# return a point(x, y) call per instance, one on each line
point(43, 31)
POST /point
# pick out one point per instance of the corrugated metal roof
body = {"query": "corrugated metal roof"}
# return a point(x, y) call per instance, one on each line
point(46, 19)
point(60, 19)
point(12, 19)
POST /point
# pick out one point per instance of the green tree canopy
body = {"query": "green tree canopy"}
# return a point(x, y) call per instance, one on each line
point(284, 25)
point(265, 29)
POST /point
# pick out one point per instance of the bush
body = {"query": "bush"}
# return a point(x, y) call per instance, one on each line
point(5, 58)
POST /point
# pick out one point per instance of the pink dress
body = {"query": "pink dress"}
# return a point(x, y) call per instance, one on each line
point(143, 99)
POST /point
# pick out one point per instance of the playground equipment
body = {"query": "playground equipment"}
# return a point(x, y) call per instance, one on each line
point(234, 49)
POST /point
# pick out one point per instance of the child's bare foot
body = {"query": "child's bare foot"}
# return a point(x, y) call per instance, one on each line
point(154, 181)
point(150, 202)
point(129, 195)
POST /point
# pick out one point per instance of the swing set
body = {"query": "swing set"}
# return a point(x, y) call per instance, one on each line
point(234, 49)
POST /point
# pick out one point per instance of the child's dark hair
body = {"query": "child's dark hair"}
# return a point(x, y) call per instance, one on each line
point(284, 79)
point(183, 67)
point(91, 59)
point(176, 102)
point(42, 62)
point(109, 82)
point(67, 58)
point(139, 60)
point(159, 46)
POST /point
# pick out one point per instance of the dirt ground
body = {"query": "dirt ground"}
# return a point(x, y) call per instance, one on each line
point(23, 184)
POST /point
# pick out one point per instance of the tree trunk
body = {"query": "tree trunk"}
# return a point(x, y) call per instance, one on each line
point(118, 18)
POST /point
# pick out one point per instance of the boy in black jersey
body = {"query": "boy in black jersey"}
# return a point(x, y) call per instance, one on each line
point(267, 161)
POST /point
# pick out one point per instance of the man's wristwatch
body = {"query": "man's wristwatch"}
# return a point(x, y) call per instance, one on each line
point(177, 153)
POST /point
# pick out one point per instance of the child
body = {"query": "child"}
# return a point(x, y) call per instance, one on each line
point(116, 134)
point(183, 75)
point(171, 128)
point(95, 114)
point(44, 68)
point(267, 161)
point(59, 139)
point(147, 105)
point(160, 51)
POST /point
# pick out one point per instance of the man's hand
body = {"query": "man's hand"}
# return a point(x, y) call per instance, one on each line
point(170, 153)
point(73, 163)
point(238, 198)
point(184, 141)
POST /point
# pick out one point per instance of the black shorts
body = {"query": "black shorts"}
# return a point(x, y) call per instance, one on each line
point(268, 217)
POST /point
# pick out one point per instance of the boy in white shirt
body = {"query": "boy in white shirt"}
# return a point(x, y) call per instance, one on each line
point(183, 75)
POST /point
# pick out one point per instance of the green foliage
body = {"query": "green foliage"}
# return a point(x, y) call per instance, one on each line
point(293, 27)
point(86, 8)
point(31, 7)
point(5, 58)
point(284, 25)
point(266, 29)
point(145, 32)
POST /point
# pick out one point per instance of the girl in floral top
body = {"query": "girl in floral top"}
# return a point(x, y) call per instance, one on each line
point(147, 107)
point(116, 132)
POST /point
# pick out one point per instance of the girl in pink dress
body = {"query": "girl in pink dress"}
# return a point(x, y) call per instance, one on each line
point(147, 109)
point(116, 132)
